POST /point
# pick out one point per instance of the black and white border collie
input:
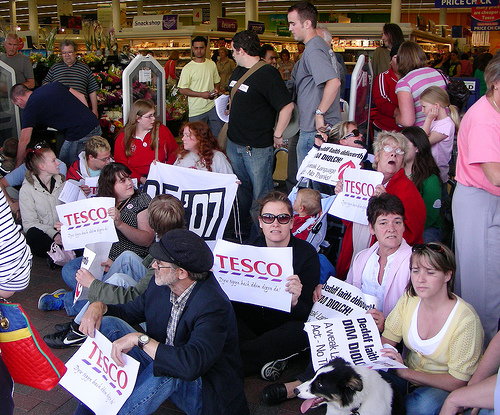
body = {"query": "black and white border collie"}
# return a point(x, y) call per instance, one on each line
point(348, 389)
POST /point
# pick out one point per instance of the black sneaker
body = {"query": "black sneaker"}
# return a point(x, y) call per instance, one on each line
point(64, 339)
point(63, 326)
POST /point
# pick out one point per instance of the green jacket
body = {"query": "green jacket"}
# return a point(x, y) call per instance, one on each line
point(112, 294)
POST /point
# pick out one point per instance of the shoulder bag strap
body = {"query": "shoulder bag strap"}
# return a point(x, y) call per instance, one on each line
point(253, 69)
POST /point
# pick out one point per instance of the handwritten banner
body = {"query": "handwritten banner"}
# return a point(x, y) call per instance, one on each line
point(330, 162)
point(357, 188)
point(85, 220)
point(355, 339)
point(207, 197)
point(340, 299)
point(254, 275)
point(94, 378)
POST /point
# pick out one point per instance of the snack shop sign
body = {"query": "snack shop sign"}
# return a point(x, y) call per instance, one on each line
point(156, 23)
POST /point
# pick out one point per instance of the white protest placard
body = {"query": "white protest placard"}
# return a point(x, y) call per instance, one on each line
point(85, 221)
point(355, 339)
point(95, 379)
point(71, 192)
point(254, 275)
point(92, 183)
point(207, 197)
point(357, 188)
point(221, 106)
point(340, 299)
point(93, 256)
point(331, 160)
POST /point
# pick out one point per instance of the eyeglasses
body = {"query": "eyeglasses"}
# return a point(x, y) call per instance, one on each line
point(389, 149)
point(353, 133)
point(148, 116)
point(159, 266)
point(432, 246)
point(104, 159)
point(268, 218)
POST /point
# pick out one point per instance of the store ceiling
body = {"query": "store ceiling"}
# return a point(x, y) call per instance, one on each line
point(46, 8)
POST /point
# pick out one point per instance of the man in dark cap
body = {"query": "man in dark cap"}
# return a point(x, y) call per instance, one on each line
point(189, 354)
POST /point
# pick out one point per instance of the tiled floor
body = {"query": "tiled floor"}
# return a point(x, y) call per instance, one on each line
point(60, 402)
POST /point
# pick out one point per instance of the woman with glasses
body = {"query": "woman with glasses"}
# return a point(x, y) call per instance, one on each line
point(442, 334)
point(269, 337)
point(130, 217)
point(142, 140)
point(199, 150)
point(390, 149)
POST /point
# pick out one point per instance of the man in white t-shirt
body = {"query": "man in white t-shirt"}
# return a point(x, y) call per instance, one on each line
point(199, 81)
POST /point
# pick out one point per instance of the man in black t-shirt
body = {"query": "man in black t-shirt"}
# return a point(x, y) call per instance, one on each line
point(253, 131)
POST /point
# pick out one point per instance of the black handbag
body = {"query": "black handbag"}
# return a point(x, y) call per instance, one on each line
point(457, 91)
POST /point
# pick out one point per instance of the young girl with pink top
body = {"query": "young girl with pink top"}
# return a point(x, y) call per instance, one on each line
point(439, 126)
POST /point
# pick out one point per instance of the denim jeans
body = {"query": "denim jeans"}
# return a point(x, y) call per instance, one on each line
point(422, 400)
point(120, 280)
point(212, 119)
point(127, 263)
point(305, 143)
point(71, 149)
point(150, 391)
point(255, 172)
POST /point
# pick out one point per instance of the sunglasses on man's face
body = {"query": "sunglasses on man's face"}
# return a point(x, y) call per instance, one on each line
point(353, 133)
point(268, 218)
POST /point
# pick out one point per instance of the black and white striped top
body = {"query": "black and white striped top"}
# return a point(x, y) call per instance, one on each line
point(15, 254)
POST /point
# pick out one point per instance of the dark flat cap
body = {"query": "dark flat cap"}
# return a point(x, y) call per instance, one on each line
point(184, 249)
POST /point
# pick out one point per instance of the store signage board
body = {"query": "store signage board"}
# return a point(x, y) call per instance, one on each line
point(257, 27)
point(485, 19)
point(156, 23)
point(282, 30)
point(226, 25)
point(464, 3)
point(277, 19)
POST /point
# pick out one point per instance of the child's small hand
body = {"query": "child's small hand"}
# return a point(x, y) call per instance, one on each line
point(433, 113)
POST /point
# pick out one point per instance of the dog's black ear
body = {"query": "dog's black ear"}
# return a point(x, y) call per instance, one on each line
point(355, 383)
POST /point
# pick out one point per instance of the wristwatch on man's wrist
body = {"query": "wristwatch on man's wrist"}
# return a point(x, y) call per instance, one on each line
point(319, 112)
point(143, 340)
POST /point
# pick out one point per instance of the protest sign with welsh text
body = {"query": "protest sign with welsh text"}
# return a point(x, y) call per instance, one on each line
point(254, 275)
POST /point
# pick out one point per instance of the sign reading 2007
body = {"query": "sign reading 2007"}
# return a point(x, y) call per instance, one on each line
point(207, 197)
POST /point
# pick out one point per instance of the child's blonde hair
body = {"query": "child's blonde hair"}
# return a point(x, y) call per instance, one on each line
point(437, 95)
point(310, 199)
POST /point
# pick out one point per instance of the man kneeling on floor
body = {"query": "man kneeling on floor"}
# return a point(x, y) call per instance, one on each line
point(189, 354)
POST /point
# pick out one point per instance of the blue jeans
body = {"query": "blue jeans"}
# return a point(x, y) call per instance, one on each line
point(422, 400)
point(150, 391)
point(120, 280)
point(212, 119)
point(305, 143)
point(127, 263)
point(255, 171)
point(71, 149)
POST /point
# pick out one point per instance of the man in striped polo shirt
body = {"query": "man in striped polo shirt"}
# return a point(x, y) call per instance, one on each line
point(75, 74)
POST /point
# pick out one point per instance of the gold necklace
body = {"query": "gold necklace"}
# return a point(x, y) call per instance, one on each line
point(495, 104)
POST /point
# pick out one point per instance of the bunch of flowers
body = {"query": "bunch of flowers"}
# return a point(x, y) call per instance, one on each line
point(91, 59)
point(142, 91)
point(176, 105)
point(105, 97)
point(37, 59)
point(112, 120)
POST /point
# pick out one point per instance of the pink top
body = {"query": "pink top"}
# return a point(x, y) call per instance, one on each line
point(478, 142)
point(416, 82)
point(442, 151)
